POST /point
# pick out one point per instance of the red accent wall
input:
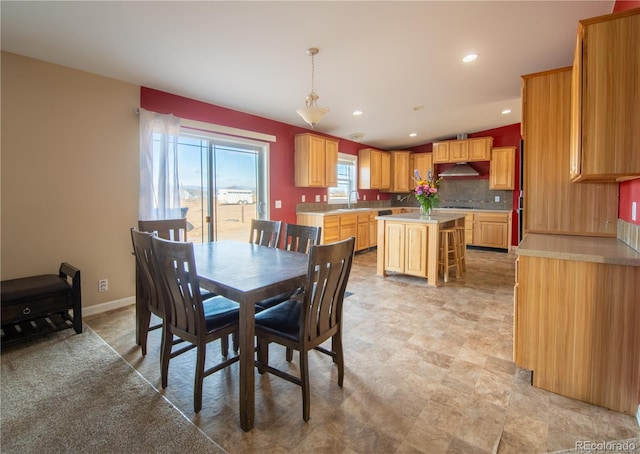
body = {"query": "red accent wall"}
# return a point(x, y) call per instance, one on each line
point(629, 190)
point(281, 152)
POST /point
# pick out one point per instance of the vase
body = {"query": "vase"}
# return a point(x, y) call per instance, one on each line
point(425, 211)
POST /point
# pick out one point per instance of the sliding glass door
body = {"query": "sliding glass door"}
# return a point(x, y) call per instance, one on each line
point(223, 185)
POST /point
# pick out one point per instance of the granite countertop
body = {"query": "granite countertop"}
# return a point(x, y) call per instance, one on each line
point(581, 248)
point(415, 217)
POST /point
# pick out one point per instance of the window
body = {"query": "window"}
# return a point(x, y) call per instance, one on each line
point(347, 182)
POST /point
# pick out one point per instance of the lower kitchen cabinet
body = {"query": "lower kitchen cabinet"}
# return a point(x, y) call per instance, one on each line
point(492, 230)
point(336, 227)
point(406, 249)
point(577, 322)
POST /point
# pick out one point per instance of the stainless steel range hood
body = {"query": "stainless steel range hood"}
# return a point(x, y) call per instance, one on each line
point(461, 169)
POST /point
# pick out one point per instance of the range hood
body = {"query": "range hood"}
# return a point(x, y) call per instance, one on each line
point(461, 169)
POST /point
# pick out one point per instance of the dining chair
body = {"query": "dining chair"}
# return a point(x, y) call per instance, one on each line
point(169, 229)
point(309, 319)
point(187, 316)
point(297, 238)
point(265, 233)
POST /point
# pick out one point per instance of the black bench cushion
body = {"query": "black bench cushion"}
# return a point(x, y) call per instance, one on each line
point(33, 286)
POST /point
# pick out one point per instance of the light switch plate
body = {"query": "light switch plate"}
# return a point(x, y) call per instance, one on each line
point(317, 198)
point(303, 198)
point(278, 203)
point(634, 211)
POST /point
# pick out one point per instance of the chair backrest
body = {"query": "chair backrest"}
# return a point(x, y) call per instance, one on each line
point(147, 271)
point(265, 233)
point(327, 276)
point(175, 264)
point(300, 238)
point(169, 229)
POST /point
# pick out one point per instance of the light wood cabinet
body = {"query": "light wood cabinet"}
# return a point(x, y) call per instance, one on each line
point(423, 163)
point(336, 227)
point(463, 150)
point(374, 169)
point(316, 161)
point(406, 250)
point(502, 168)
point(577, 327)
point(348, 226)
point(440, 152)
point(605, 117)
point(552, 204)
point(400, 171)
point(373, 229)
point(492, 230)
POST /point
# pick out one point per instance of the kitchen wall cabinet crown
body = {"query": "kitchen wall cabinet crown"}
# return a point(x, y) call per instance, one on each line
point(605, 137)
point(552, 204)
point(374, 169)
point(502, 168)
point(463, 150)
point(316, 161)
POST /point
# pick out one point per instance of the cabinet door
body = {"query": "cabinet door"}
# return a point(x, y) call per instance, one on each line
point(331, 163)
point(440, 152)
point(362, 238)
point(423, 163)
point(492, 230)
point(415, 238)
point(502, 168)
point(552, 203)
point(400, 171)
point(394, 250)
point(605, 137)
point(310, 161)
point(385, 171)
point(480, 148)
point(330, 229)
point(459, 150)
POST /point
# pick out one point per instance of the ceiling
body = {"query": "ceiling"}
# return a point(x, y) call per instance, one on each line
point(384, 58)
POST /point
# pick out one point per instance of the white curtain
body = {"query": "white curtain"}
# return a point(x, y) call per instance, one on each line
point(159, 186)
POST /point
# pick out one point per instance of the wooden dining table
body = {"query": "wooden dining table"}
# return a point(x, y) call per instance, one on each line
point(248, 273)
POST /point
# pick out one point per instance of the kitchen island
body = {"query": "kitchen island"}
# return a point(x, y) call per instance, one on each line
point(410, 244)
point(577, 318)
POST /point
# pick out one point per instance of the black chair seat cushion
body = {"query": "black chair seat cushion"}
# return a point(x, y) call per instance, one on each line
point(34, 286)
point(270, 302)
point(283, 318)
point(220, 311)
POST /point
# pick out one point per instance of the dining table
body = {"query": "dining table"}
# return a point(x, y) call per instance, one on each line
point(247, 273)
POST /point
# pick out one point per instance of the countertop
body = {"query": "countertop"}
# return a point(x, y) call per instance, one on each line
point(362, 210)
point(581, 248)
point(415, 217)
point(483, 210)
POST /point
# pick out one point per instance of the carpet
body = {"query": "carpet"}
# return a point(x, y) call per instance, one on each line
point(71, 392)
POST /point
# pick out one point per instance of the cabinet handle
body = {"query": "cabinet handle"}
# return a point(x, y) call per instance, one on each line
point(26, 311)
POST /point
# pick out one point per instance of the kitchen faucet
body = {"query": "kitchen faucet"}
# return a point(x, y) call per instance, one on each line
point(349, 198)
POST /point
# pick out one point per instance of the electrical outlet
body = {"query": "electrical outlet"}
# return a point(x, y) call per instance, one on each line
point(303, 198)
point(634, 211)
point(317, 198)
point(378, 197)
point(497, 198)
point(278, 203)
point(103, 285)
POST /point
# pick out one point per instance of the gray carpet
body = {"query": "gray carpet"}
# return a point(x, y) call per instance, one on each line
point(73, 393)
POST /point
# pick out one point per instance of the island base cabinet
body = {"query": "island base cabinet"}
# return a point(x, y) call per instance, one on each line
point(407, 249)
point(577, 327)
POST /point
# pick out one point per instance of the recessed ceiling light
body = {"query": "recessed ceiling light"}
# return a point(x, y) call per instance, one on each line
point(357, 113)
point(469, 58)
point(506, 111)
point(413, 134)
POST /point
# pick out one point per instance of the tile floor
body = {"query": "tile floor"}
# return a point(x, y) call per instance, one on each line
point(427, 371)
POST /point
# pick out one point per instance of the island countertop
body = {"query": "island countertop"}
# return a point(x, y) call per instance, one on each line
point(438, 218)
point(579, 248)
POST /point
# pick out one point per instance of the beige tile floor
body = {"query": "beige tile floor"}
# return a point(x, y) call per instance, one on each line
point(428, 370)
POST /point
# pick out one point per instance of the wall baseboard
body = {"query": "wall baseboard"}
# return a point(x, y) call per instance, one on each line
point(108, 306)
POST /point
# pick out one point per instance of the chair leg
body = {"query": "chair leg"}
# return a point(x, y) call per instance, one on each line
point(197, 388)
point(165, 354)
point(236, 342)
point(304, 378)
point(224, 346)
point(263, 354)
point(289, 354)
point(336, 341)
point(144, 322)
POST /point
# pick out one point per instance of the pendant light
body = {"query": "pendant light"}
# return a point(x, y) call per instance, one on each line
point(311, 113)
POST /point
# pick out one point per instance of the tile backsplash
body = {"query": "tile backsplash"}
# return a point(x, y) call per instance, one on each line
point(629, 234)
point(469, 193)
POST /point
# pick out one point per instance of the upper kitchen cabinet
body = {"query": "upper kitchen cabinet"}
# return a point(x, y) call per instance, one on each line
point(401, 171)
point(374, 169)
point(502, 168)
point(605, 137)
point(552, 203)
point(423, 163)
point(462, 150)
point(316, 161)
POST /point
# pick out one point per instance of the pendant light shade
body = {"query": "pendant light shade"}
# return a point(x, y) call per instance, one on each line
point(312, 113)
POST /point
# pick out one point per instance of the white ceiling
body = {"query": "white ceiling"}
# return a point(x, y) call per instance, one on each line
point(384, 58)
